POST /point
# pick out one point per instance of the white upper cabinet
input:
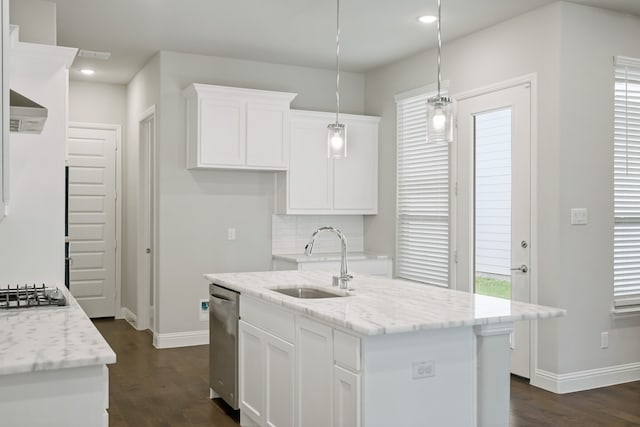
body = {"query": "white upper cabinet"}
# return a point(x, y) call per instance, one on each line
point(236, 128)
point(316, 184)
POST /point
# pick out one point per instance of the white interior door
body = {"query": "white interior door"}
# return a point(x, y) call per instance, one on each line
point(494, 203)
point(92, 218)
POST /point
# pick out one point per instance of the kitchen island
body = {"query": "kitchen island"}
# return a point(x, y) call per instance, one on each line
point(385, 353)
point(53, 368)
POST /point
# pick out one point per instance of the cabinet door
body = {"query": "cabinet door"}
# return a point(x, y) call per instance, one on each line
point(314, 345)
point(309, 178)
point(222, 133)
point(279, 362)
point(356, 176)
point(251, 370)
point(267, 136)
point(346, 398)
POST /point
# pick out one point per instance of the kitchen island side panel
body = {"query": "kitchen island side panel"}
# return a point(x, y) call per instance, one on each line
point(445, 396)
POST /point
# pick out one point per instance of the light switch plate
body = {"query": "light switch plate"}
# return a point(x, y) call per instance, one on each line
point(231, 234)
point(578, 216)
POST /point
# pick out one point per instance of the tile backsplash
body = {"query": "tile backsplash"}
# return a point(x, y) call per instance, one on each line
point(290, 233)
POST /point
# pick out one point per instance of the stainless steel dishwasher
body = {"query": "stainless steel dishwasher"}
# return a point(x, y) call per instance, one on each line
point(223, 343)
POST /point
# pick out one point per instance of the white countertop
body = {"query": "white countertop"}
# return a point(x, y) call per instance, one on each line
point(329, 256)
point(378, 305)
point(40, 339)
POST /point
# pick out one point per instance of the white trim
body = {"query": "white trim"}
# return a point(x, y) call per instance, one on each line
point(586, 380)
point(129, 316)
point(180, 339)
point(143, 287)
point(494, 87)
point(531, 79)
point(118, 189)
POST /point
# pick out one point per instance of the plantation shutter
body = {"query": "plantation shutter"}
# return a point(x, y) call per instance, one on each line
point(626, 258)
point(422, 236)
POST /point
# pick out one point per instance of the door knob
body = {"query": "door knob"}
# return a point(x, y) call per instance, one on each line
point(523, 268)
point(148, 250)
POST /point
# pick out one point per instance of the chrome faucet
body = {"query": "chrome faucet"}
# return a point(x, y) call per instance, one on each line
point(345, 277)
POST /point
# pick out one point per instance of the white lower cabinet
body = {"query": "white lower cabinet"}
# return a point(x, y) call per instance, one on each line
point(314, 342)
point(279, 376)
point(74, 397)
point(346, 398)
point(266, 377)
point(313, 382)
point(251, 370)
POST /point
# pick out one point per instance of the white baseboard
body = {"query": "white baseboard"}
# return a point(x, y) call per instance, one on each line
point(586, 380)
point(129, 316)
point(180, 339)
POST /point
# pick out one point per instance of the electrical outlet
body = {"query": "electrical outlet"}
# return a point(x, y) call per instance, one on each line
point(203, 309)
point(578, 216)
point(604, 340)
point(423, 369)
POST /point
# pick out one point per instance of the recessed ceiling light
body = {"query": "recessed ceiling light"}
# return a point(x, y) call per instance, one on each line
point(427, 19)
point(88, 71)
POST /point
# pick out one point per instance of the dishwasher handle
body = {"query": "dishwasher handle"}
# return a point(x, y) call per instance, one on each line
point(219, 299)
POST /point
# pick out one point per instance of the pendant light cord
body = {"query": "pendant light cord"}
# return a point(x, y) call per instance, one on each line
point(338, 61)
point(439, 47)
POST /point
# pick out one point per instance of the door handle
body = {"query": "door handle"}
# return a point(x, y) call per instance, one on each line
point(523, 268)
point(147, 251)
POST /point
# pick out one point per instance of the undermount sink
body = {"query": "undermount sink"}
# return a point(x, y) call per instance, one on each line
point(307, 293)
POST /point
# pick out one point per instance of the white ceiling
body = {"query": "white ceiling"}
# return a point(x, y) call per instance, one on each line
point(296, 32)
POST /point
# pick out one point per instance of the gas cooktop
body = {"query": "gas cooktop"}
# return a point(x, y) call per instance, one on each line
point(27, 296)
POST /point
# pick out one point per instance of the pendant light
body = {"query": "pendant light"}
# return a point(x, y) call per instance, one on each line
point(439, 108)
point(337, 132)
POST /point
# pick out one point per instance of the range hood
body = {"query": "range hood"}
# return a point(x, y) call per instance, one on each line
point(26, 116)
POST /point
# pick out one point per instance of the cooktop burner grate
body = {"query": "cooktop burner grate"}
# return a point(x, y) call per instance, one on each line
point(30, 296)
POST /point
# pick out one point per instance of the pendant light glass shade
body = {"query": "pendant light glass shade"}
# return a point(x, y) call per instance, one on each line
point(440, 109)
point(440, 116)
point(337, 141)
point(337, 132)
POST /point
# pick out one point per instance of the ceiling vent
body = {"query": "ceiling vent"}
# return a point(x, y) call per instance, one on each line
point(94, 54)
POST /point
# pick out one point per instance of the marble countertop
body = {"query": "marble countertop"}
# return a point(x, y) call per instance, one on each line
point(378, 305)
point(40, 339)
point(329, 256)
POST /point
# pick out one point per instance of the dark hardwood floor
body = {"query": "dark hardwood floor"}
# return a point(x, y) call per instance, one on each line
point(170, 388)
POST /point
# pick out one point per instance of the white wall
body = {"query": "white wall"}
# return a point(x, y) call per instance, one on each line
point(102, 103)
point(570, 49)
point(197, 207)
point(32, 235)
point(590, 39)
point(36, 19)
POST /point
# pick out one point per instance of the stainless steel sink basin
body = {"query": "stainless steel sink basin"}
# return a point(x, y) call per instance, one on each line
point(306, 293)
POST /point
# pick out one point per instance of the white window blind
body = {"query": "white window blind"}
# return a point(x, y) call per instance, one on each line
point(626, 258)
point(422, 239)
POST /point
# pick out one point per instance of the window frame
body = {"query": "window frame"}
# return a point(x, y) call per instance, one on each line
point(626, 296)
